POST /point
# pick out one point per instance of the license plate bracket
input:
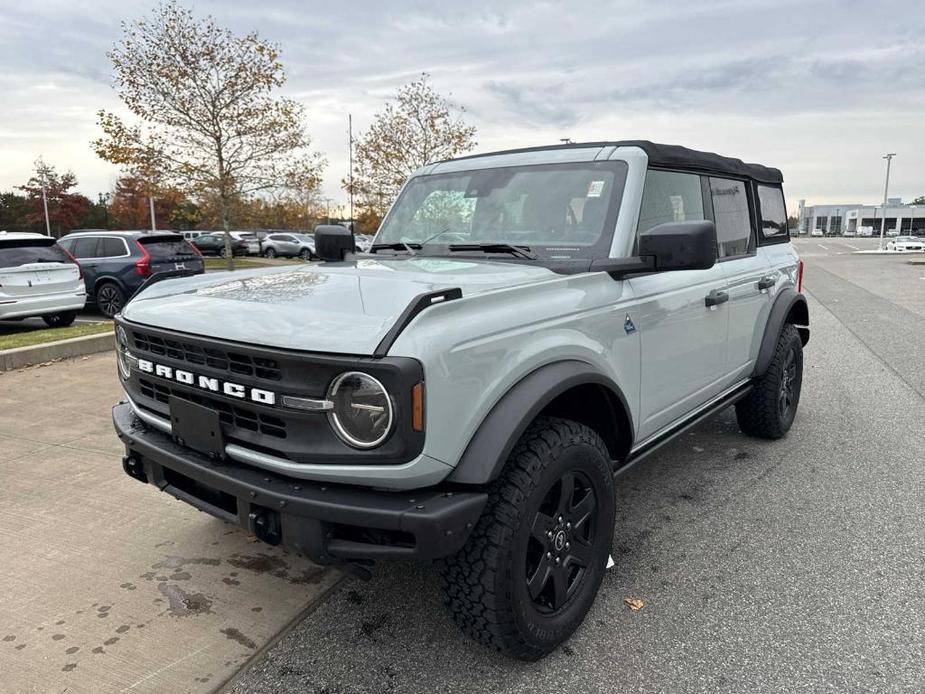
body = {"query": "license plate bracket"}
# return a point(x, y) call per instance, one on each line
point(197, 427)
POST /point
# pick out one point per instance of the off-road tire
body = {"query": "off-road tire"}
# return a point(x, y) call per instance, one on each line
point(60, 320)
point(760, 413)
point(485, 583)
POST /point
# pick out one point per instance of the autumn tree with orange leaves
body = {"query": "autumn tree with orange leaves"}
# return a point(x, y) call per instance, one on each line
point(65, 208)
point(209, 118)
point(417, 127)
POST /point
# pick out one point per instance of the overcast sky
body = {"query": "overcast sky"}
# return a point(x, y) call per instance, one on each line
point(819, 89)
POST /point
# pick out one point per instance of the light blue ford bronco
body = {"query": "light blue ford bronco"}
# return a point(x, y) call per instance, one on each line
point(527, 325)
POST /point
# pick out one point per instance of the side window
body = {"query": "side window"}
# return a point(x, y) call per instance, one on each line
point(669, 196)
point(773, 213)
point(730, 213)
point(85, 247)
point(110, 248)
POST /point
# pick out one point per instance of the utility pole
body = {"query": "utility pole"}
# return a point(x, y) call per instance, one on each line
point(43, 170)
point(886, 188)
point(350, 175)
point(151, 207)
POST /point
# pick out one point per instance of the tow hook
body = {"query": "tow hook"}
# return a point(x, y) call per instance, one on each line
point(266, 526)
point(133, 467)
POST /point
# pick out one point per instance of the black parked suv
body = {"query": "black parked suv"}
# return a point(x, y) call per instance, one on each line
point(116, 263)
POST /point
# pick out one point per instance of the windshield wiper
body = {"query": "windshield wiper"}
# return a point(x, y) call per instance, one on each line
point(397, 246)
point(518, 251)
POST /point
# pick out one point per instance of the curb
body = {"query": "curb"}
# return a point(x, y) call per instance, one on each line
point(19, 357)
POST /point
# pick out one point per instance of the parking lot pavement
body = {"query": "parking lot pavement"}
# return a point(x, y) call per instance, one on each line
point(106, 584)
point(786, 566)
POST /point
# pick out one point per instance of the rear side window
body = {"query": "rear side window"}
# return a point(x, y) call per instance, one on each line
point(730, 214)
point(166, 247)
point(111, 247)
point(669, 196)
point(773, 212)
point(25, 251)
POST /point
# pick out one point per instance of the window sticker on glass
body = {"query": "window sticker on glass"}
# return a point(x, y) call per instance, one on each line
point(595, 188)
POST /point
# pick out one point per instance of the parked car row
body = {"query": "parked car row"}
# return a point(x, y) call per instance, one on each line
point(42, 277)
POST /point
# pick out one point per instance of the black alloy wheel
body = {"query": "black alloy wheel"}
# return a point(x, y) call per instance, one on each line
point(110, 299)
point(560, 549)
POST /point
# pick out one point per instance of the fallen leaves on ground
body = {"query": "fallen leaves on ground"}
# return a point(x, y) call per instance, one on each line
point(634, 603)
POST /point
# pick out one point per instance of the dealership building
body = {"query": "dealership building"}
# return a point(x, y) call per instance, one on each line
point(837, 219)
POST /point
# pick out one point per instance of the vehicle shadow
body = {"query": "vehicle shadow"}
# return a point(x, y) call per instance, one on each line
point(393, 633)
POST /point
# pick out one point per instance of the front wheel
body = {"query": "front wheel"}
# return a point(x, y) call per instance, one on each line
point(532, 567)
point(60, 320)
point(768, 411)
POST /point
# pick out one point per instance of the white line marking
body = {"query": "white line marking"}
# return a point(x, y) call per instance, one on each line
point(825, 248)
point(854, 247)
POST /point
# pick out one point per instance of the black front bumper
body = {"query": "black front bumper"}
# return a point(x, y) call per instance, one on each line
point(327, 523)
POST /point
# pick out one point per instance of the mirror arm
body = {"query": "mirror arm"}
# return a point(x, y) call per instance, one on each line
point(619, 268)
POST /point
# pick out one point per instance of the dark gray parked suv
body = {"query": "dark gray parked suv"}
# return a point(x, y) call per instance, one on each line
point(116, 263)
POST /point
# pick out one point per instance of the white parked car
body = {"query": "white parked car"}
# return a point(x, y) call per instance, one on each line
point(906, 243)
point(892, 232)
point(39, 278)
point(817, 232)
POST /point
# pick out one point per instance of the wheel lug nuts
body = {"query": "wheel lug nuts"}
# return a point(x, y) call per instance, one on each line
point(558, 561)
point(568, 525)
point(567, 545)
point(549, 555)
point(549, 534)
point(560, 519)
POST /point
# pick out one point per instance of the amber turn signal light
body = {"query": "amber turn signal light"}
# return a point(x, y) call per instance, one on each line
point(417, 407)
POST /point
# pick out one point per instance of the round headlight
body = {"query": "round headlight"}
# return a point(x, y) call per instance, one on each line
point(362, 412)
point(122, 359)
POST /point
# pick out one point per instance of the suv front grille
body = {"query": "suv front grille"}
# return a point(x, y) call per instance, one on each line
point(223, 360)
point(230, 414)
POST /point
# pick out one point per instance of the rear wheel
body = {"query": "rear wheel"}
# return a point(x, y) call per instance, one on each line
point(532, 567)
point(270, 253)
point(109, 299)
point(60, 320)
point(768, 411)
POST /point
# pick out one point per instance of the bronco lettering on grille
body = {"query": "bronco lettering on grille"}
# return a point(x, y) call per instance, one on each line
point(234, 390)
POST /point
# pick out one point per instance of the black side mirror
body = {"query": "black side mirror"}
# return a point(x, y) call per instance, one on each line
point(680, 245)
point(668, 246)
point(332, 242)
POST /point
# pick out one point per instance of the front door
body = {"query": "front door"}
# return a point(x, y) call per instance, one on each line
point(682, 317)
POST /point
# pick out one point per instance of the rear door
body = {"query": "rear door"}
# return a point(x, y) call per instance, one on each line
point(682, 338)
point(170, 252)
point(747, 272)
point(36, 266)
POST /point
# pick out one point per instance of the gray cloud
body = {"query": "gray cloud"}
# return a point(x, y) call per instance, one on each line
point(761, 79)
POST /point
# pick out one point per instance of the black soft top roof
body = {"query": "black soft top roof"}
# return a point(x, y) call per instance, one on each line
point(673, 157)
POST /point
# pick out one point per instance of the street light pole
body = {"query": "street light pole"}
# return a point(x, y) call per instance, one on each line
point(886, 188)
point(45, 205)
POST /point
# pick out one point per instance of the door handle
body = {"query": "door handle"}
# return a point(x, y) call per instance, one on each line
point(766, 282)
point(715, 298)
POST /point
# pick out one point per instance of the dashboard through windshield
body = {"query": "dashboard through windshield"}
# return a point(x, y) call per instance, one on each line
point(556, 211)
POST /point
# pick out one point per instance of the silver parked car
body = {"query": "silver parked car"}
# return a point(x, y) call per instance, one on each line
point(39, 278)
point(289, 245)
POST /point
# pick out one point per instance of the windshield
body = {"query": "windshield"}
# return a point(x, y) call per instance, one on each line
point(560, 211)
point(14, 253)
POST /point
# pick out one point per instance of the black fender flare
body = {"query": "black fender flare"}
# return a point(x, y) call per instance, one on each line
point(492, 443)
point(110, 279)
point(789, 307)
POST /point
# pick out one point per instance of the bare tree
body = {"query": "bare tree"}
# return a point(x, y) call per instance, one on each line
point(210, 118)
point(416, 128)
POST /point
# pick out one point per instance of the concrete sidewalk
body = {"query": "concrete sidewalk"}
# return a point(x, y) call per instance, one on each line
point(109, 585)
